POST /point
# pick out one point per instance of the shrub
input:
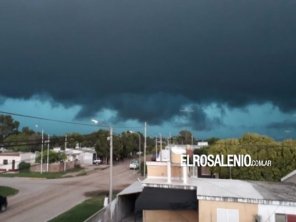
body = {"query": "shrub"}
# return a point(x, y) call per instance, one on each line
point(23, 166)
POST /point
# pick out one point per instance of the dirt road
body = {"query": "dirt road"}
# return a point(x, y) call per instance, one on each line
point(41, 199)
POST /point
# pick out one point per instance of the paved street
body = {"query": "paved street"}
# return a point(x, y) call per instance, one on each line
point(42, 199)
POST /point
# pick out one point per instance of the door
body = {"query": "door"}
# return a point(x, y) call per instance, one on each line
point(13, 164)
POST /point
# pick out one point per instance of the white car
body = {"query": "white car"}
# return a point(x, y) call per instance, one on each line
point(97, 161)
point(134, 164)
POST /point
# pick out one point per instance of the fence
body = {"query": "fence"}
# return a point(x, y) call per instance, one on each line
point(53, 167)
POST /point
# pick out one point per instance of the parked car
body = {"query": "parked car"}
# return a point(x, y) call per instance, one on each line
point(3, 203)
point(97, 161)
point(134, 164)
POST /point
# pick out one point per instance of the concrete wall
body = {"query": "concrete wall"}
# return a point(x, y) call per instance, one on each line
point(9, 166)
point(177, 171)
point(161, 171)
point(175, 158)
point(267, 212)
point(17, 158)
point(208, 210)
point(28, 157)
point(170, 216)
point(156, 171)
point(53, 167)
point(86, 158)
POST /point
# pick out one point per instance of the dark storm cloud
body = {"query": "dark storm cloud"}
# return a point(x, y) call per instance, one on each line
point(147, 59)
point(196, 118)
point(284, 125)
point(157, 107)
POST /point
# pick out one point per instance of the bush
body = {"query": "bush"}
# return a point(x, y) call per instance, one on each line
point(23, 166)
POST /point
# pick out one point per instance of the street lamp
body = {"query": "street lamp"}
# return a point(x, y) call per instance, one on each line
point(47, 158)
point(110, 138)
point(139, 147)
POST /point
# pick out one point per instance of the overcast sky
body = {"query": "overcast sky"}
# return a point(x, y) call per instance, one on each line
point(218, 68)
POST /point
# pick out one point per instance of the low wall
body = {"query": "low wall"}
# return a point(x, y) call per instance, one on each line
point(53, 167)
point(170, 215)
point(103, 215)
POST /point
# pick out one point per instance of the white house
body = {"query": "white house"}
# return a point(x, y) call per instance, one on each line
point(9, 161)
point(85, 155)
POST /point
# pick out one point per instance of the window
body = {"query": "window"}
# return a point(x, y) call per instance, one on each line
point(227, 215)
point(285, 218)
point(5, 162)
point(280, 218)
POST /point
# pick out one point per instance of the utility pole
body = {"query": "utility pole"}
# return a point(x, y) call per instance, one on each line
point(47, 165)
point(156, 148)
point(145, 147)
point(160, 147)
point(41, 156)
point(65, 165)
point(111, 169)
point(139, 152)
point(65, 142)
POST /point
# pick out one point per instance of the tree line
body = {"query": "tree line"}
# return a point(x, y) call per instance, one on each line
point(281, 153)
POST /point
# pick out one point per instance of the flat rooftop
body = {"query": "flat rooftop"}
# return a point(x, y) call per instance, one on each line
point(233, 190)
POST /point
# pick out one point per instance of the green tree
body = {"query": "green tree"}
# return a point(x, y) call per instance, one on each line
point(185, 137)
point(259, 147)
point(53, 156)
point(102, 144)
point(7, 126)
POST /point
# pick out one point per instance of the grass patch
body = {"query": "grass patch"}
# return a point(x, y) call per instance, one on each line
point(82, 211)
point(82, 173)
point(45, 175)
point(7, 191)
point(34, 175)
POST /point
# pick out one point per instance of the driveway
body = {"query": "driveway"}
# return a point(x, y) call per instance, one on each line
point(42, 199)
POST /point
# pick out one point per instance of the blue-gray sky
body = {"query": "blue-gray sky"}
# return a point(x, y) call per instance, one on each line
point(232, 64)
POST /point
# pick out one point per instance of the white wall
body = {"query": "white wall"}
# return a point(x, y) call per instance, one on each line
point(9, 165)
point(86, 158)
point(267, 212)
point(28, 157)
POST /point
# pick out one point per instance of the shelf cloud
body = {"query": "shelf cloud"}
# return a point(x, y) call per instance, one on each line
point(146, 60)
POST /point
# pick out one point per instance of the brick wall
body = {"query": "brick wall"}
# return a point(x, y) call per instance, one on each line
point(53, 167)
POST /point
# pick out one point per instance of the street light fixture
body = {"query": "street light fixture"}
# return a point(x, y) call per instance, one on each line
point(133, 132)
point(110, 138)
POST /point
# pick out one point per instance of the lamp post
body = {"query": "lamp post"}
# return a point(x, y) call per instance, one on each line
point(47, 162)
point(139, 147)
point(110, 138)
point(145, 146)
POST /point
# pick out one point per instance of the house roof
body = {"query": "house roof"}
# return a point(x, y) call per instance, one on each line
point(135, 187)
point(288, 175)
point(234, 190)
point(153, 198)
point(10, 154)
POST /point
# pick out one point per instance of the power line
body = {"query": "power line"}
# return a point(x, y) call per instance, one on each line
point(66, 122)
